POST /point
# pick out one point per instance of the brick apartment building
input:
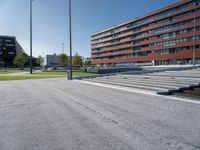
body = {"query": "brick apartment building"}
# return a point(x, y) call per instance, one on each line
point(170, 35)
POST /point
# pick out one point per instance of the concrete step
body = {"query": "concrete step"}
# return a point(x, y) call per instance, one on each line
point(149, 88)
point(159, 83)
point(164, 82)
point(174, 75)
point(153, 79)
point(135, 82)
point(191, 75)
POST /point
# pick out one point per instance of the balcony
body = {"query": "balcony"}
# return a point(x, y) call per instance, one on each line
point(150, 21)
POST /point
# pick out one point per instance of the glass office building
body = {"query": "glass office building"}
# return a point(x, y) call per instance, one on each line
point(9, 48)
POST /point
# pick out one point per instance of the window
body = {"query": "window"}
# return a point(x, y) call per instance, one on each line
point(9, 45)
point(197, 2)
point(11, 53)
point(8, 40)
point(165, 51)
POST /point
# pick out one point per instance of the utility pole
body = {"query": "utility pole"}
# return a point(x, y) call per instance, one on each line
point(70, 43)
point(31, 65)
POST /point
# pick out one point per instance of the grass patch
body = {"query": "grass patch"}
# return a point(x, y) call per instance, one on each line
point(50, 73)
point(39, 75)
point(76, 74)
point(10, 71)
point(10, 77)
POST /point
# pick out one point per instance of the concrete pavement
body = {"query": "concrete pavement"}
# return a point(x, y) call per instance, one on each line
point(56, 114)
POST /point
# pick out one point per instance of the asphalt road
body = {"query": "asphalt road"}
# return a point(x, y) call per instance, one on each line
point(56, 114)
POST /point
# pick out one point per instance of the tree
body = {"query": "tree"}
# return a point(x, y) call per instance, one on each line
point(77, 60)
point(63, 59)
point(20, 60)
point(40, 60)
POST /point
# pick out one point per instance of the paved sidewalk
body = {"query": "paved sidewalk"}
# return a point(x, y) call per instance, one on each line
point(59, 114)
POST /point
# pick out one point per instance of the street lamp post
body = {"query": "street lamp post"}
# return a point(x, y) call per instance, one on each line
point(194, 37)
point(63, 48)
point(31, 65)
point(70, 43)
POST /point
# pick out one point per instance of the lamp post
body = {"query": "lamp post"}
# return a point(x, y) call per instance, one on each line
point(31, 65)
point(70, 43)
point(63, 48)
point(194, 36)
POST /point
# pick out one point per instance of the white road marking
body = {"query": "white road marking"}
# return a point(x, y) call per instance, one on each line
point(138, 91)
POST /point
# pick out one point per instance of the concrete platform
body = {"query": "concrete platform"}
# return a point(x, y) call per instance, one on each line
point(164, 83)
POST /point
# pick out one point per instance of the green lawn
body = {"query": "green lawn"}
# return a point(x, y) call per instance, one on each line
point(50, 73)
point(76, 74)
point(10, 71)
point(10, 77)
point(39, 75)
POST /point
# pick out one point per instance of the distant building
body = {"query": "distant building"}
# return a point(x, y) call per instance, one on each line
point(52, 60)
point(34, 62)
point(9, 48)
point(162, 37)
point(86, 61)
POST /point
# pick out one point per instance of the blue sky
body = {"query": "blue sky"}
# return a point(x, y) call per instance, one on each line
point(50, 21)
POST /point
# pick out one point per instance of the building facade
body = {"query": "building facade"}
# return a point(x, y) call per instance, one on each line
point(9, 48)
point(52, 60)
point(170, 35)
